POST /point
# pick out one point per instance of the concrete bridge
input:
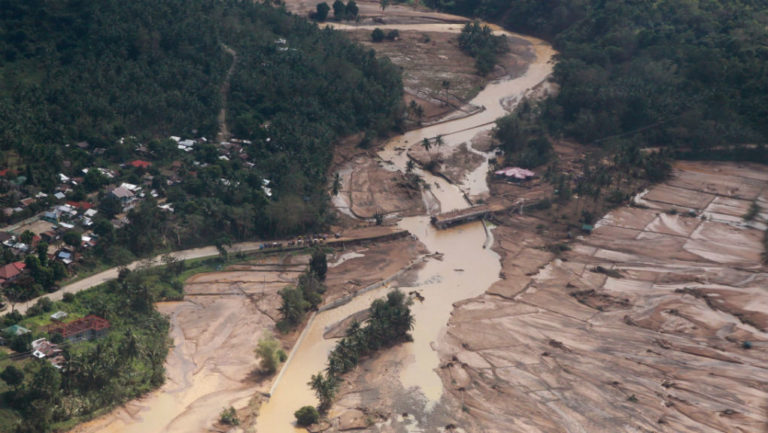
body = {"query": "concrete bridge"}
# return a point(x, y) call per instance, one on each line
point(463, 216)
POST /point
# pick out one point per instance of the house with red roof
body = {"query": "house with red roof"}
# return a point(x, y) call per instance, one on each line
point(140, 164)
point(82, 205)
point(10, 272)
point(87, 328)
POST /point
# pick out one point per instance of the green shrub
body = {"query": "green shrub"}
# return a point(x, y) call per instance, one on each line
point(307, 415)
point(377, 35)
point(229, 416)
point(268, 351)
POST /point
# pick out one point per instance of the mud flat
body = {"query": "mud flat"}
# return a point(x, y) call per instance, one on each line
point(370, 12)
point(216, 328)
point(211, 364)
point(437, 74)
point(367, 189)
point(369, 265)
point(658, 321)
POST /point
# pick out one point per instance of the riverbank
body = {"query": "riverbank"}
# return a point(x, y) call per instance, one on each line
point(461, 267)
point(216, 328)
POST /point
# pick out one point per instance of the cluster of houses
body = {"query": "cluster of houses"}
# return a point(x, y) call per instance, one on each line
point(13, 243)
point(128, 194)
point(63, 214)
point(85, 329)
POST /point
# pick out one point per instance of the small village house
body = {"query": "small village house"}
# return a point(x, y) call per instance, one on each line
point(85, 329)
point(11, 272)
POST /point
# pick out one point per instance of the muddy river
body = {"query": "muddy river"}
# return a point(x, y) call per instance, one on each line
point(467, 268)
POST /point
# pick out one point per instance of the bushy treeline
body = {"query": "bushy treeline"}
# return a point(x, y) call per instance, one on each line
point(126, 363)
point(479, 42)
point(306, 296)
point(522, 137)
point(688, 75)
point(389, 323)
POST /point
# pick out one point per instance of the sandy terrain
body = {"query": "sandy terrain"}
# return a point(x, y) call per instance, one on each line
point(36, 227)
point(216, 329)
point(367, 188)
point(364, 266)
point(437, 74)
point(212, 363)
point(370, 12)
point(638, 328)
point(453, 163)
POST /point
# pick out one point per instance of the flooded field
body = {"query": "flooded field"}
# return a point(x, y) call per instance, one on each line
point(655, 322)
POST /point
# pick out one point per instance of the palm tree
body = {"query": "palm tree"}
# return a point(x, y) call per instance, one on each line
point(439, 141)
point(426, 144)
point(325, 389)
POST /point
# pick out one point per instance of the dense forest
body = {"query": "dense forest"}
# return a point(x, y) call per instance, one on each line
point(688, 75)
point(123, 76)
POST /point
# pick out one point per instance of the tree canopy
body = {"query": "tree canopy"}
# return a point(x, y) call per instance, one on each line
point(687, 75)
point(118, 76)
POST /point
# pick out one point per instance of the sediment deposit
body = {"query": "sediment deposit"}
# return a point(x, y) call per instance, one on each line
point(655, 322)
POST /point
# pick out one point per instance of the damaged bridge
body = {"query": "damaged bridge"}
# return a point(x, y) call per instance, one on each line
point(463, 216)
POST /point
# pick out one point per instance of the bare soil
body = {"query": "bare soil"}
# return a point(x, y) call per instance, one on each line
point(216, 328)
point(367, 187)
point(370, 13)
point(639, 327)
point(377, 262)
point(437, 75)
point(212, 364)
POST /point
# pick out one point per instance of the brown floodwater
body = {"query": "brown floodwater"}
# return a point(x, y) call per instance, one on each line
point(198, 388)
point(466, 269)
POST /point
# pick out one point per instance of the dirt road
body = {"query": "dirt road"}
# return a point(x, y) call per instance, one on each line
point(371, 233)
point(223, 134)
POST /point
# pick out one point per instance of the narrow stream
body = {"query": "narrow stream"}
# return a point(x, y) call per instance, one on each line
point(466, 270)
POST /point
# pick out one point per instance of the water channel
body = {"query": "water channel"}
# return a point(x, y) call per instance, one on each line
point(466, 270)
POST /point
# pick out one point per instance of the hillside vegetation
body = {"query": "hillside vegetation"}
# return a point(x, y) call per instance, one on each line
point(688, 75)
point(74, 70)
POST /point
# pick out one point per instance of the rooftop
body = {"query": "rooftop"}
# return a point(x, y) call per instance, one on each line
point(91, 322)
